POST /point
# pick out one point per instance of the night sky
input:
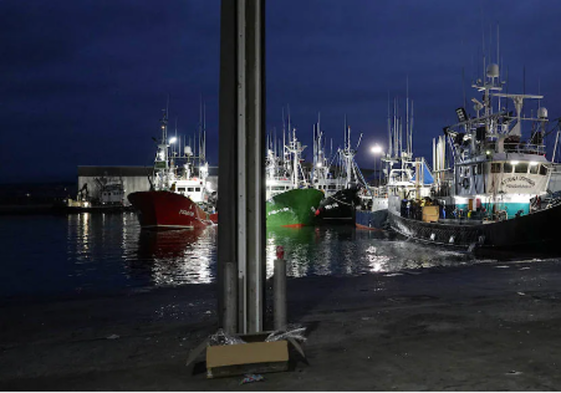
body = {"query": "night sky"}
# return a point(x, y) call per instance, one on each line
point(84, 82)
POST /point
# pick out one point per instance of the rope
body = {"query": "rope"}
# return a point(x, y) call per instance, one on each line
point(339, 201)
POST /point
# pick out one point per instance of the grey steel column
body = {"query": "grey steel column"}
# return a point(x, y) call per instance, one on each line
point(279, 294)
point(242, 162)
point(241, 230)
point(255, 104)
point(227, 164)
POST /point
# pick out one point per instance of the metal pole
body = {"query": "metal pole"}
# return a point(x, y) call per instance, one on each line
point(555, 147)
point(279, 288)
point(231, 297)
point(375, 169)
point(241, 202)
point(255, 166)
point(379, 171)
point(241, 192)
point(227, 168)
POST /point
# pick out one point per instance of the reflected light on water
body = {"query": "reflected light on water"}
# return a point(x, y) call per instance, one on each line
point(176, 257)
point(303, 252)
point(376, 262)
point(79, 235)
point(114, 246)
point(104, 252)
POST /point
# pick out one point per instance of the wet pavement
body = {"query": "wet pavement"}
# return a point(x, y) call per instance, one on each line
point(490, 326)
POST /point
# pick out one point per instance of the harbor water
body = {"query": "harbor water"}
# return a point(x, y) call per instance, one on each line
point(66, 255)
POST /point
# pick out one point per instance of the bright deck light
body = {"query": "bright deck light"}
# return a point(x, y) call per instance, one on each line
point(376, 149)
point(173, 140)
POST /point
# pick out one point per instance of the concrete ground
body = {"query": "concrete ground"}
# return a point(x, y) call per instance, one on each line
point(483, 327)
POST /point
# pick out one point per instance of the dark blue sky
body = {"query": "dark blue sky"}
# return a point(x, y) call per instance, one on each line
point(83, 82)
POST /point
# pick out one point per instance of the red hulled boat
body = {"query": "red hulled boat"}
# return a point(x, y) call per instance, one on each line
point(177, 199)
point(165, 209)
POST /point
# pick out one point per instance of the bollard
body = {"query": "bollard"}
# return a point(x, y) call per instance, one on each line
point(230, 298)
point(279, 288)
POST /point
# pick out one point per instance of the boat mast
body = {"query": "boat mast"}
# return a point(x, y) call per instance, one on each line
point(411, 131)
point(199, 154)
point(161, 163)
point(348, 154)
point(555, 147)
point(295, 147)
point(204, 132)
point(314, 153)
point(390, 141)
point(407, 114)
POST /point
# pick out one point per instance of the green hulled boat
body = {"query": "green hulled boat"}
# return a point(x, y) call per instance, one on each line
point(293, 208)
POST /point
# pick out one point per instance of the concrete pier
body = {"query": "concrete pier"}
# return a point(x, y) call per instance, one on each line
point(476, 328)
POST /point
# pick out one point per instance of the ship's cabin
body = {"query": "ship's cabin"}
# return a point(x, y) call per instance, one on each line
point(504, 167)
point(192, 188)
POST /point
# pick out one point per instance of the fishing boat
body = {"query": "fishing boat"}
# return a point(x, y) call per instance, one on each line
point(291, 202)
point(339, 207)
point(404, 176)
point(492, 179)
point(107, 196)
point(180, 196)
point(326, 169)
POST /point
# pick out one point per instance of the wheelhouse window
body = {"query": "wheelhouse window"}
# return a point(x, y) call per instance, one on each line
point(496, 167)
point(534, 169)
point(543, 170)
point(190, 189)
point(181, 189)
point(198, 189)
point(507, 167)
point(521, 167)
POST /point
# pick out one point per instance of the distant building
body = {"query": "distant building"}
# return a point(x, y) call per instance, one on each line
point(133, 178)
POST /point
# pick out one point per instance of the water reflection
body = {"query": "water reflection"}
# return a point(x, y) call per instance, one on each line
point(176, 257)
point(79, 235)
point(113, 249)
point(316, 251)
point(104, 252)
point(344, 251)
point(96, 246)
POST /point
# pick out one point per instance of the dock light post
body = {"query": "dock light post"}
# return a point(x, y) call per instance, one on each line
point(377, 150)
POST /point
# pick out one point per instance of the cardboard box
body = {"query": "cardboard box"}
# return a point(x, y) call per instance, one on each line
point(253, 357)
point(430, 213)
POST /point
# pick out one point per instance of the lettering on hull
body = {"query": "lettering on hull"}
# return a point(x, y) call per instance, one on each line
point(518, 182)
point(272, 212)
